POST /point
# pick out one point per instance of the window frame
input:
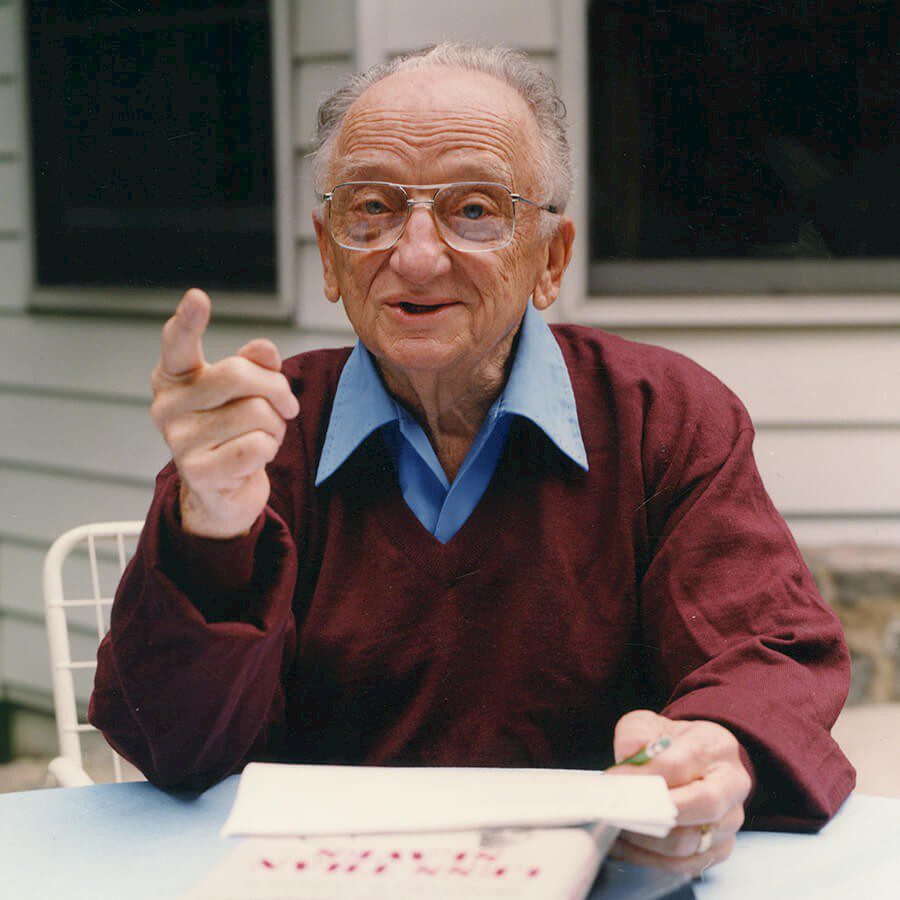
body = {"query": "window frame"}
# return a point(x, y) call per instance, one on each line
point(279, 305)
point(678, 310)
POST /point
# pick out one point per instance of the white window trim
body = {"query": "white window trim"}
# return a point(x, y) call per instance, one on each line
point(278, 305)
point(656, 311)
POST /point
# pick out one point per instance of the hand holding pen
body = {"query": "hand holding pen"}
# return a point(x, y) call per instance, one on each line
point(708, 783)
point(646, 753)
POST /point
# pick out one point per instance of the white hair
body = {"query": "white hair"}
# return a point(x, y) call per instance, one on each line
point(513, 67)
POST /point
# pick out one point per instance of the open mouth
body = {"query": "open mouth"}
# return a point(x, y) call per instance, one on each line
point(417, 309)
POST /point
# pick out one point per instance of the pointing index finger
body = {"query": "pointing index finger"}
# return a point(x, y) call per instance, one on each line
point(182, 338)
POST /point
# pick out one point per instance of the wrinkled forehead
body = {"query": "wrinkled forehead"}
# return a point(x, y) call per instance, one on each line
point(438, 124)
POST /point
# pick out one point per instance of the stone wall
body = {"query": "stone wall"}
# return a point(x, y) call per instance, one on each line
point(862, 585)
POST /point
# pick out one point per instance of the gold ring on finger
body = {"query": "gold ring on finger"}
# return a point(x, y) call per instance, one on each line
point(705, 842)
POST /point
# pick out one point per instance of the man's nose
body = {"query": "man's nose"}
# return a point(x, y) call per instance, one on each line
point(420, 254)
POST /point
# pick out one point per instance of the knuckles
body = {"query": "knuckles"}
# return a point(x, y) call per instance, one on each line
point(253, 449)
point(712, 800)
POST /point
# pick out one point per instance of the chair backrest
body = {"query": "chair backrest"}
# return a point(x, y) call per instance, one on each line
point(78, 614)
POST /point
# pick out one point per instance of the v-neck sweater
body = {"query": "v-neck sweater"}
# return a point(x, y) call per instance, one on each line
point(339, 630)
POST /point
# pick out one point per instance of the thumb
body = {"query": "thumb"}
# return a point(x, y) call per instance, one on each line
point(637, 729)
point(182, 347)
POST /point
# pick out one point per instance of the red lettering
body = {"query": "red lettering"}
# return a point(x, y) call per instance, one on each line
point(427, 870)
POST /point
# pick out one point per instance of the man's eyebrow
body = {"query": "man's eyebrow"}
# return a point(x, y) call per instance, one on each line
point(361, 170)
point(367, 170)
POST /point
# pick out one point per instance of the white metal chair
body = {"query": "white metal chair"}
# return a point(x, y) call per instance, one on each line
point(74, 614)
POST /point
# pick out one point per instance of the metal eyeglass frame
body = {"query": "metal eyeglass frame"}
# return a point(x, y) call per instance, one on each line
point(411, 204)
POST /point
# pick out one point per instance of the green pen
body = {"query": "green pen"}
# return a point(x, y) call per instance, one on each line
point(645, 754)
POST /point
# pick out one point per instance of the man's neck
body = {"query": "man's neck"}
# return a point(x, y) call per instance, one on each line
point(451, 405)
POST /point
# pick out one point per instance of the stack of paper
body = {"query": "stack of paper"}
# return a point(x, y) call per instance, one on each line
point(296, 800)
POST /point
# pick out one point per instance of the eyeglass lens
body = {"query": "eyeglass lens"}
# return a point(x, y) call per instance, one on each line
point(469, 216)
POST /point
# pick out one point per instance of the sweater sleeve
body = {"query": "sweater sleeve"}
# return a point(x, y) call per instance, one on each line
point(733, 625)
point(188, 681)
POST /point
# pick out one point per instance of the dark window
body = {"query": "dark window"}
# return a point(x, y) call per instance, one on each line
point(153, 143)
point(761, 135)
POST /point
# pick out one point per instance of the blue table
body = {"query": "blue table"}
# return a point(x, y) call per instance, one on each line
point(133, 840)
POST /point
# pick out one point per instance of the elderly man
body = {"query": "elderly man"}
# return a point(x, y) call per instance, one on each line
point(473, 540)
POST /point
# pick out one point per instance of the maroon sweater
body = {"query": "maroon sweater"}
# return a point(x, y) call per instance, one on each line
point(340, 630)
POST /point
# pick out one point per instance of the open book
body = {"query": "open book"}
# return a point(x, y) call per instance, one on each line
point(322, 832)
point(530, 864)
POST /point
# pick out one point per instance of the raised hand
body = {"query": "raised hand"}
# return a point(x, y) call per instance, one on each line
point(707, 782)
point(222, 421)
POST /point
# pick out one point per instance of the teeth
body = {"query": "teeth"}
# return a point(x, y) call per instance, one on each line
point(416, 308)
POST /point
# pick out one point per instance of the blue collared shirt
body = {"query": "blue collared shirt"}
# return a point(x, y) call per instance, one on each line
point(538, 388)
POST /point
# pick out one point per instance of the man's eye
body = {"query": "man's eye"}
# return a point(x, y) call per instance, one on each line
point(473, 211)
point(374, 207)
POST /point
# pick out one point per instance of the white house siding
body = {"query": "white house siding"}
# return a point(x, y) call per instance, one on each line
point(76, 443)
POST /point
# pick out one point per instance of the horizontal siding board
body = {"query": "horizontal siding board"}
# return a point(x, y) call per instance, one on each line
point(312, 82)
point(92, 355)
point(12, 201)
point(834, 530)
point(847, 307)
point(10, 119)
point(530, 24)
point(21, 579)
point(822, 472)
point(26, 658)
point(801, 376)
point(113, 357)
point(39, 506)
point(323, 27)
point(84, 436)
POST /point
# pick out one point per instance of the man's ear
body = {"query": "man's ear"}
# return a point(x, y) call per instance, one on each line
point(559, 253)
point(326, 251)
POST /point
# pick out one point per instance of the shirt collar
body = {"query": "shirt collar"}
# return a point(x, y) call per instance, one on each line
point(361, 406)
point(539, 389)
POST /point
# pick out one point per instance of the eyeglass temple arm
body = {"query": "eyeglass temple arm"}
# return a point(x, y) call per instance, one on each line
point(550, 208)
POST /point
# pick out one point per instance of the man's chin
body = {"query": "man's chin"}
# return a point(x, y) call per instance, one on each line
point(420, 353)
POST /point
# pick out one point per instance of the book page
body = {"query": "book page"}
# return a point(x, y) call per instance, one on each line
point(303, 800)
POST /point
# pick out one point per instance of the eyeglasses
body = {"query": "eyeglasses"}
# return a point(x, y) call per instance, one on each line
point(471, 216)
